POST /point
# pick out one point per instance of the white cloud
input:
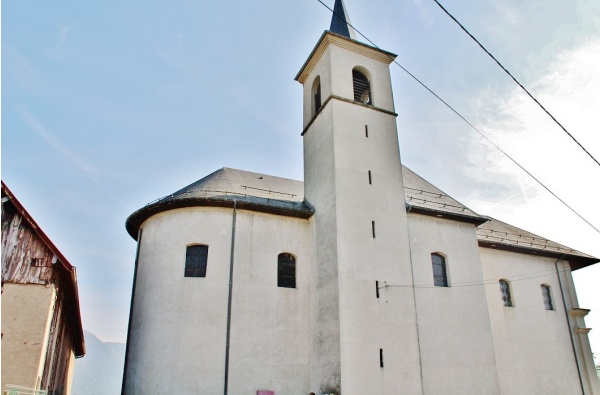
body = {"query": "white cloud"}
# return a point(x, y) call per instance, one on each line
point(570, 89)
point(53, 142)
point(56, 51)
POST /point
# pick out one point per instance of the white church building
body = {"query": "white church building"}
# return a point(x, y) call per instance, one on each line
point(363, 279)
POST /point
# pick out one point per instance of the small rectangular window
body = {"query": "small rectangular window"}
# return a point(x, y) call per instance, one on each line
point(370, 178)
point(37, 262)
point(286, 270)
point(547, 297)
point(196, 258)
point(440, 277)
point(381, 357)
point(366, 131)
point(505, 292)
point(373, 228)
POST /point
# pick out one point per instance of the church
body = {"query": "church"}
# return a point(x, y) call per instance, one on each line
point(362, 279)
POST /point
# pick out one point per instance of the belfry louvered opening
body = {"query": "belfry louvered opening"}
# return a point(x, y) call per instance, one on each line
point(362, 87)
point(316, 95)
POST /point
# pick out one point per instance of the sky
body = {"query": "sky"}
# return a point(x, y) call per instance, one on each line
point(107, 106)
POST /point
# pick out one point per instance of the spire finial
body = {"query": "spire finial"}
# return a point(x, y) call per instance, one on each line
point(340, 21)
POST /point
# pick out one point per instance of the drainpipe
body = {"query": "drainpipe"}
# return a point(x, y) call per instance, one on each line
point(227, 341)
point(414, 289)
point(135, 270)
point(569, 324)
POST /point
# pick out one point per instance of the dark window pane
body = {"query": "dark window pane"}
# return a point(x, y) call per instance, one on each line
point(547, 297)
point(505, 292)
point(438, 263)
point(286, 271)
point(195, 261)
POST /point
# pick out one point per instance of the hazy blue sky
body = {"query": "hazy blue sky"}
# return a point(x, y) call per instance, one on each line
point(109, 105)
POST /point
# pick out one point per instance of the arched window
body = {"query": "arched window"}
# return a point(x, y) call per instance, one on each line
point(362, 87)
point(316, 95)
point(286, 270)
point(196, 257)
point(547, 297)
point(505, 292)
point(440, 278)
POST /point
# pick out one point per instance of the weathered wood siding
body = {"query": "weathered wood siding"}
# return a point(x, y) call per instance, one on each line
point(26, 259)
point(20, 248)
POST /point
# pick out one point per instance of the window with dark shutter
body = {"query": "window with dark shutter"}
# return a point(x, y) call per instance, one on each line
point(362, 87)
point(440, 278)
point(196, 257)
point(286, 271)
point(316, 95)
point(505, 292)
point(547, 297)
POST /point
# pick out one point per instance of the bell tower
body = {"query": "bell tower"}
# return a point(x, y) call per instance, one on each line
point(364, 338)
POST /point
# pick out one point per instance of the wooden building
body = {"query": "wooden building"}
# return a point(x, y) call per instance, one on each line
point(42, 333)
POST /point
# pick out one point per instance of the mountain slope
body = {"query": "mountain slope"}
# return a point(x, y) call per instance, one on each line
point(100, 372)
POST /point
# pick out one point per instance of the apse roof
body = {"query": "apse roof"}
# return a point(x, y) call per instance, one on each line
point(228, 187)
point(281, 196)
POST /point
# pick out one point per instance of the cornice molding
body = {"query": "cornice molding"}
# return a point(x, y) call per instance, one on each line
point(329, 38)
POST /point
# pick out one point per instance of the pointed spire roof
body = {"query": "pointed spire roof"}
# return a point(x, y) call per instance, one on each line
point(340, 21)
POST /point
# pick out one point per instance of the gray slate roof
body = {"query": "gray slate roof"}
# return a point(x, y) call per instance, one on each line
point(340, 20)
point(282, 196)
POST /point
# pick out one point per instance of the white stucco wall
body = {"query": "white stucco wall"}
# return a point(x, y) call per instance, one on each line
point(338, 156)
point(26, 315)
point(533, 346)
point(457, 350)
point(178, 333)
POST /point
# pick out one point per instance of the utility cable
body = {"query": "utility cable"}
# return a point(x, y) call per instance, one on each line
point(517, 82)
point(463, 118)
point(521, 277)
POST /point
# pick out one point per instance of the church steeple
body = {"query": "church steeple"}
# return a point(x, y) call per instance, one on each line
point(340, 21)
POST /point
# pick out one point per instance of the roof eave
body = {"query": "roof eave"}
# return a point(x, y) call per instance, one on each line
point(476, 220)
point(300, 210)
point(305, 69)
point(575, 261)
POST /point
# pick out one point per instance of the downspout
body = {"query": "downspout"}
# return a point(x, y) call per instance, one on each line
point(414, 289)
point(135, 270)
point(562, 294)
point(227, 340)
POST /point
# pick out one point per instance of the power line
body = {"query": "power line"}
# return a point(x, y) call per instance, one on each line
point(517, 82)
point(464, 119)
point(484, 282)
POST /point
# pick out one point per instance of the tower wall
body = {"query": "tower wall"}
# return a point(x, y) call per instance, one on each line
point(353, 178)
